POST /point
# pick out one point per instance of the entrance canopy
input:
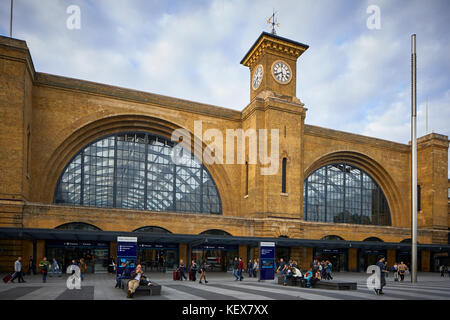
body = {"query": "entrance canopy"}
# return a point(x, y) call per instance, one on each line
point(202, 239)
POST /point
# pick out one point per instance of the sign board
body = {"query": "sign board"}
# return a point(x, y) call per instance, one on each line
point(267, 260)
point(126, 253)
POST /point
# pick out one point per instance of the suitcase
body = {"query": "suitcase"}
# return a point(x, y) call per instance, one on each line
point(7, 278)
point(176, 275)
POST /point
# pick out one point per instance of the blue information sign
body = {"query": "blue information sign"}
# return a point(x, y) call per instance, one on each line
point(267, 260)
point(126, 253)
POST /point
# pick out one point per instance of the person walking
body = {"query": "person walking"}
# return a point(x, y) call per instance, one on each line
point(44, 265)
point(282, 267)
point(182, 268)
point(203, 268)
point(402, 270)
point(240, 269)
point(383, 271)
point(442, 270)
point(18, 271)
point(193, 270)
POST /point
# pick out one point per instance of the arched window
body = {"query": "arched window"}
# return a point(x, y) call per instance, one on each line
point(343, 193)
point(373, 239)
point(332, 238)
point(152, 230)
point(78, 226)
point(136, 171)
point(215, 232)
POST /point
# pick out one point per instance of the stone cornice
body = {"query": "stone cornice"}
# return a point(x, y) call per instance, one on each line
point(352, 137)
point(276, 44)
point(59, 82)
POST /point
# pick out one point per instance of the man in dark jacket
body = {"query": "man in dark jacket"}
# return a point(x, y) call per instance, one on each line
point(235, 268)
point(380, 264)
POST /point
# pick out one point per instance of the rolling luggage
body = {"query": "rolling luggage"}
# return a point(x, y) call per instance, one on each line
point(176, 275)
point(7, 278)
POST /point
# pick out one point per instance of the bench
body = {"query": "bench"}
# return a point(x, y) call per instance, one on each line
point(323, 284)
point(154, 290)
point(292, 281)
point(335, 285)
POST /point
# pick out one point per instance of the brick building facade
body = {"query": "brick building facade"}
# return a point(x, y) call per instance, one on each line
point(47, 120)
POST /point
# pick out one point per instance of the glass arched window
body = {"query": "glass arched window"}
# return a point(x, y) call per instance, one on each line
point(343, 193)
point(152, 230)
point(136, 171)
point(373, 239)
point(332, 238)
point(78, 226)
point(215, 232)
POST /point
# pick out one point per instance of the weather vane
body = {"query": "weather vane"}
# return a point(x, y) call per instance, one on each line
point(274, 22)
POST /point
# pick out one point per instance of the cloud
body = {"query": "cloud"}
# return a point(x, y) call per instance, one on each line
point(351, 78)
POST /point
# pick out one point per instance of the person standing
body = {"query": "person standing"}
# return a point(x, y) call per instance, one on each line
point(44, 265)
point(380, 265)
point(328, 268)
point(240, 269)
point(203, 272)
point(250, 268)
point(182, 268)
point(126, 273)
point(192, 271)
point(395, 270)
point(31, 266)
point(235, 268)
point(18, 270)
point(82, 265)
point(255, 268)
point(55, 268)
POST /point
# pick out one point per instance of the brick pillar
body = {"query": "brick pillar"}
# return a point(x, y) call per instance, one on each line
point(352, 259)
point(40, 251)
point(182, 253)
point(305, 257)
point(243, 254)
point(391, 258)
point(113, 250)
point(426, 255)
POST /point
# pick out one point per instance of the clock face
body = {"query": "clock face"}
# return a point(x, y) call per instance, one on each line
point(257, 77)
point(281, 72)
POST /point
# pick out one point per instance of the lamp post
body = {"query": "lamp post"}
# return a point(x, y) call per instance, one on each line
point(413, 162)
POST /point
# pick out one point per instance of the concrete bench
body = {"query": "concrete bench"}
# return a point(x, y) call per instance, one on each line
point(335, 285)
point(292, 281)
point(153, 290)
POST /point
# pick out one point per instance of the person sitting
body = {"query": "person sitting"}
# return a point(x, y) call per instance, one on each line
point(287, 275)
point(125, 274)
point(308, 277)
point(137, 278)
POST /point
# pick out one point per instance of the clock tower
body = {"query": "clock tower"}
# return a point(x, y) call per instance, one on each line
point(273, 65)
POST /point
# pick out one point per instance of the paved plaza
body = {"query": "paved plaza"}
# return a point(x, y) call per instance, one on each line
point(221, 286)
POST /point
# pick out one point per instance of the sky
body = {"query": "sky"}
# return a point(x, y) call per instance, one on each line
point(352, 78)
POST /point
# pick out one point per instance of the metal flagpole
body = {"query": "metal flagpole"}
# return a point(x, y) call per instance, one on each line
point(11, 20)
point(413, 162)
